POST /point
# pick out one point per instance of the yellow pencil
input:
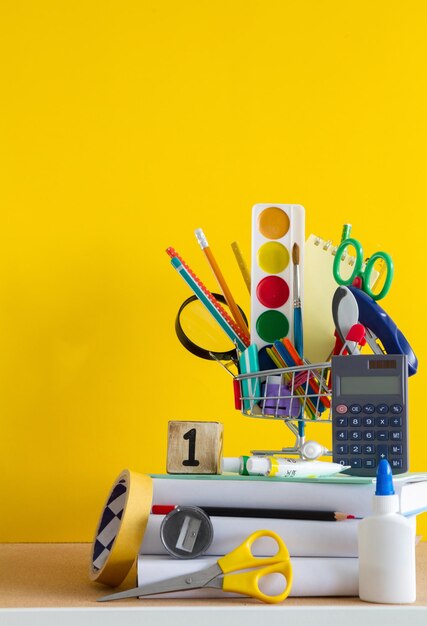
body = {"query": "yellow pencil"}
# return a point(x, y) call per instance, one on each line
point(242, 264)
point(234, 309)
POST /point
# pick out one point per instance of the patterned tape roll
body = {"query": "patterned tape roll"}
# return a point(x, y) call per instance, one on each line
point(121, 528)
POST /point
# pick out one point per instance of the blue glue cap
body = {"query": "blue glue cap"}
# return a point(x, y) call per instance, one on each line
point(384, 479)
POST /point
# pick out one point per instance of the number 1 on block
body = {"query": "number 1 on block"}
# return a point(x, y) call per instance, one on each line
point(194, 447)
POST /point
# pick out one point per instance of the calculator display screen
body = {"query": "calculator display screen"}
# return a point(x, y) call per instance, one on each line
point(375, 385)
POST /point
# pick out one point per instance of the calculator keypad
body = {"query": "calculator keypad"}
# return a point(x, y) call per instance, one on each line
point(363, 434)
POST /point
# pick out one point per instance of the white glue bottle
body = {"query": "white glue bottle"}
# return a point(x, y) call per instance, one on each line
point(386, 547)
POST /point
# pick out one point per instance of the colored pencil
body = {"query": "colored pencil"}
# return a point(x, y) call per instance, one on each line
point(200, 236)
point(242, 264)
point(207, 299)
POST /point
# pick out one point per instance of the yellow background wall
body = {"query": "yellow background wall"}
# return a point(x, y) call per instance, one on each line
point(126, 125)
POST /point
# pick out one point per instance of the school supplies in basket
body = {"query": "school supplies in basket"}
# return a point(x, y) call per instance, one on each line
point(298, 390)
point(291, 357)
point(304, 392)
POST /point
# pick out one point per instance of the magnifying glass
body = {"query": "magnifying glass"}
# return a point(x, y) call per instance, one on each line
point(200, 334)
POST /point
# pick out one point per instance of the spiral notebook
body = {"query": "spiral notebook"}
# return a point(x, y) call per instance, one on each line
point(319, 288)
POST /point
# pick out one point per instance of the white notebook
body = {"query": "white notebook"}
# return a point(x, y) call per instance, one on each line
point(302, 537)
point(311, 576)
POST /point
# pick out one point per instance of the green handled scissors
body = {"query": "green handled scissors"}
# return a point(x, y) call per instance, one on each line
point(361, 275)
point(221, 576)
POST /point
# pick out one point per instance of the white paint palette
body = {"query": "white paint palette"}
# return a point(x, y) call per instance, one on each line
point(275, 229)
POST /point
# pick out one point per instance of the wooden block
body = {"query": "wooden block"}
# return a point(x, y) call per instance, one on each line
point(194, 447)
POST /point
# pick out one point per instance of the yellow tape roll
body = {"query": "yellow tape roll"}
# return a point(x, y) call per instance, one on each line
point(121, 528)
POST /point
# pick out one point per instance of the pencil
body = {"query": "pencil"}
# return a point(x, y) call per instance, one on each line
point(346, 231)
point(200, 236)
point(242, 264)
point(209, 301)
point(223, 511)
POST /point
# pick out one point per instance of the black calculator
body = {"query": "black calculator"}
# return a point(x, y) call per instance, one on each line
point(370, 412)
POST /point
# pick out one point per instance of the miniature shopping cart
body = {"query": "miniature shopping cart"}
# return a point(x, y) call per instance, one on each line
point(291, 395)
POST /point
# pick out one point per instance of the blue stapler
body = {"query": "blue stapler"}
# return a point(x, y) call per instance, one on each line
point(382, 327)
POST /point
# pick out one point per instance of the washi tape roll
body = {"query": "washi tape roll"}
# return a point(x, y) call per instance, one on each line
point(121, 528)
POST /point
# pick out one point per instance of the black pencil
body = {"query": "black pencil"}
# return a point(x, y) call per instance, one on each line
point(222, 511)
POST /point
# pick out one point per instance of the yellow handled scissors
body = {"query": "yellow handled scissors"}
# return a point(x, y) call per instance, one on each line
point(221, 576)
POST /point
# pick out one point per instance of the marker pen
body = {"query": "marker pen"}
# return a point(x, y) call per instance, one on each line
point(236, 465)
point(291, 468)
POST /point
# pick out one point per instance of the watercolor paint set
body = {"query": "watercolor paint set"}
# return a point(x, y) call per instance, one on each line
point(277, 231)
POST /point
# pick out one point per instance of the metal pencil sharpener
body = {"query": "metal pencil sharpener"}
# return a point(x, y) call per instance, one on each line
point(186, 532)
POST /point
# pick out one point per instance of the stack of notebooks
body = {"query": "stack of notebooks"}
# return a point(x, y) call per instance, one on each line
point(323, 553)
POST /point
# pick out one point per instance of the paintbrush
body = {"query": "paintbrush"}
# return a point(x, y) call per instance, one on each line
point(298, 336)
point(298, 341)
